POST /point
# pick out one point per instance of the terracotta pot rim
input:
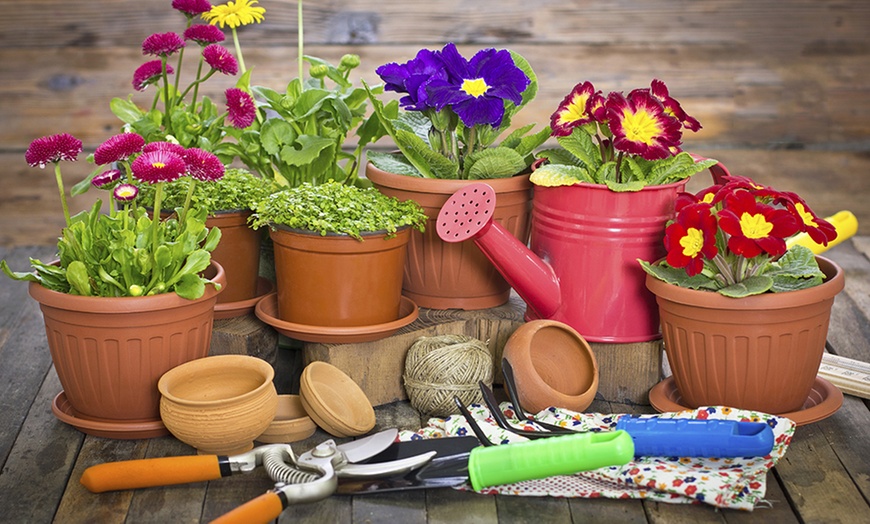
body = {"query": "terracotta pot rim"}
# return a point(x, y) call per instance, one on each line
point(440, 185)
point(120, 305)
point(310, 233)
point(766, 301)
point(216, 362)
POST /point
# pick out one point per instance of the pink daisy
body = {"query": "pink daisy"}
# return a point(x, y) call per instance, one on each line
point(105, 179)
point(118, 147)
point(125, 192)
point(220, 59)
point(203, 165)
point(53, 149)
point(204, 34)
point(158, 166)
point(192, 7)
point(240, 107)
point(163, 146)
point(149, 73)
point(162, 44)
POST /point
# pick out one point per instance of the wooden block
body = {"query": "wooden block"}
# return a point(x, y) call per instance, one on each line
point(626, 372)
point(244, 335)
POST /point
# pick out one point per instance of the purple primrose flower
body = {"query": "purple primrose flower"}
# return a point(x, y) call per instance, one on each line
point(412, 77)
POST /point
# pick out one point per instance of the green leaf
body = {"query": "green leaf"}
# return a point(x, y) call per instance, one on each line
point(677, 276)
point(750, 286)
point(77, 276)
point(559, 156)
point(524, 65)
point(190, 286)
point(580, 144)
point(434, 164)
point(309, 150)
point(127, 111)
point(553, 175)
point(276, 134)
point(496, 162)
point(530, 143)
point(392, 163)
point(625, 187)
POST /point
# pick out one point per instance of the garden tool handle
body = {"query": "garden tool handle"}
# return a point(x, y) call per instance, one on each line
point(683, 437)
point(263, 509)
point(844, 222)
point(541, 458)
point(148, 473)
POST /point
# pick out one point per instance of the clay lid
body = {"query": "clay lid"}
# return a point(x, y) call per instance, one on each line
point(291, 422)
point(334, 401)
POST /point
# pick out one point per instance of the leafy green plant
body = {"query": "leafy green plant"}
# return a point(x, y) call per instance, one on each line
point(335, 208)
point(454, 112)
point(237, 190)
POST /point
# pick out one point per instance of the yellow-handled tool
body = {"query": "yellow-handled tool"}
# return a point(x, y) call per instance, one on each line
point(844, 222)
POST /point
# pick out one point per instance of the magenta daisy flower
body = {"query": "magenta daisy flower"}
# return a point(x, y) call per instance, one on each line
point(640, 125)
point(125, 192)
point(220, 59)
point(105, 179)
point(204, 34)
point(203, 165)
point(163, 146)
point(53, 149)
point(158, 166)
point(240, 107)
point(118, 147)
point(149, 73)
point(162, 44)
point(192, 7)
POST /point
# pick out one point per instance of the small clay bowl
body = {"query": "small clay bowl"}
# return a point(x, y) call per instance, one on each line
point(334, 401)
point(291, 422)
point(219, 404)
point(553, 366)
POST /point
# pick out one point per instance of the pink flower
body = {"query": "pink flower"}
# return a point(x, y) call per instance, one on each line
point(105, 179)
point(158, 166)
point(162, 44)
point(53, 149)
point(576, 109)
point(640, 125)
point(163, 146)
point(125, 192)
point(149, 73)
point(204, 34)
point(659, 90)
point(118, 147)
point(192, 7)
point(241, 108)
point(203, 165)
point(220, 59)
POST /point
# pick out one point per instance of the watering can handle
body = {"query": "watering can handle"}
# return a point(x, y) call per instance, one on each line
point(717, 171)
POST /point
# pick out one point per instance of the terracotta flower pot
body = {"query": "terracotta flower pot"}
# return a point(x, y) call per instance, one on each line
point(238, 253)
point(110, 352)
point(758, 353)
point(219, 404)
point(336, 280)
point(443, 275)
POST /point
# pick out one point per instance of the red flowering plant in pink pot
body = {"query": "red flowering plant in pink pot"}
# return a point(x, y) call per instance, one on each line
point(732, 238)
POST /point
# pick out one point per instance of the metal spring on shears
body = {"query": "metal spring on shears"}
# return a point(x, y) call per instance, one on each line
point(280, 465)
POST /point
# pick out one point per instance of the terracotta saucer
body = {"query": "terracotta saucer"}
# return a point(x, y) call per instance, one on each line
point(134, 429)
point(241, 307)
point(267, 311)
point(824, 400)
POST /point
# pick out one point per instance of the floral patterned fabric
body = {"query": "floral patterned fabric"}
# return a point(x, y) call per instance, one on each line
point(738, 483)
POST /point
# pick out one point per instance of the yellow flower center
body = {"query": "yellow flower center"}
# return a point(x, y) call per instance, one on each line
point(575, 110)
point(755, 226)
point(692, 242)
point(476, 87)
point(158, 165)
point(126, 191)
point(806, 216)
point(708, 198)
point(234, 14)
point(640, 127)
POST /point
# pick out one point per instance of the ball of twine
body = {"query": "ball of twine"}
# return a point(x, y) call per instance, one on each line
point(439, 367)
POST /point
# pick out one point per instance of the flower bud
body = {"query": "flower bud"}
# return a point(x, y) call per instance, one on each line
point(348, 62)
point(136, 290)
point(319, 71)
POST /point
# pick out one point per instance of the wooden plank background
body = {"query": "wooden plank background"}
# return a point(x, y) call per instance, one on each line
point(760, 75)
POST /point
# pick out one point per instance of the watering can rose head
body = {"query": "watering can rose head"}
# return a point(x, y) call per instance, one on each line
point(734, 238)
point(454, 111)
point(624, 141)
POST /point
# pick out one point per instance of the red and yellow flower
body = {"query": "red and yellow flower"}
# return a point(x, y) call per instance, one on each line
point(691, 238)
point(576, 109)
point(641, 127)
point(754, 227)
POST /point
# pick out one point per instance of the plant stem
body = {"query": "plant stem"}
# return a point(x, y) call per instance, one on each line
point(299, 39)
point(196, 88)
point(182, 219)
point(166, 102)
point(618, 167)
point(239, 51)
point(63, 203)
point(155, 220)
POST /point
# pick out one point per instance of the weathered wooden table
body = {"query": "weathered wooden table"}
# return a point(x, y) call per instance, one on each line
point(824, 477)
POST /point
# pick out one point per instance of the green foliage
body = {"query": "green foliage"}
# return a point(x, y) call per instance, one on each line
point(237, 190)
point(337, 208)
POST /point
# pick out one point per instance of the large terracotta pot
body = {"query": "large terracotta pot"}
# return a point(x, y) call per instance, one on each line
point(758, 353)
point(238, 253)
point(441, 275)
point(109, 352)
point(336, 280)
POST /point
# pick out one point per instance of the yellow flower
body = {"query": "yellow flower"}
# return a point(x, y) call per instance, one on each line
point(234, 14)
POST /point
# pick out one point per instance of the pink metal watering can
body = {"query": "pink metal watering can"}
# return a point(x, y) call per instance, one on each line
point(581, 264)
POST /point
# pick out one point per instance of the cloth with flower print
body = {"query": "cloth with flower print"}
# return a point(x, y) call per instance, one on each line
point(738, 483)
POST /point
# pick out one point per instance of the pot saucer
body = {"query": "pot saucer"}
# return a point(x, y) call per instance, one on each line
point(116, 429)
point(267, 311)
point(824, 400)
point(241, 307)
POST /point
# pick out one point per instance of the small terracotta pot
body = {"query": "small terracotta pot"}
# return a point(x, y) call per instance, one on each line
point(335, 402)
point(444, 275)
point(219, 404)
point(336, 280)
point(759, 353)
point(553, 366)
point(291, 422)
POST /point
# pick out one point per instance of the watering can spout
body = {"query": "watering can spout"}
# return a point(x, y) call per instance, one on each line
point(468, 215)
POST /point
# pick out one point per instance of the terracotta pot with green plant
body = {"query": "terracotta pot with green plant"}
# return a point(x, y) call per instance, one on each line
point(455, 110)
point(339, 252)
point(744, 317)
